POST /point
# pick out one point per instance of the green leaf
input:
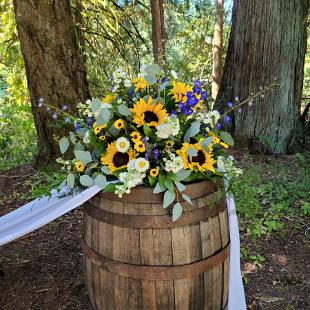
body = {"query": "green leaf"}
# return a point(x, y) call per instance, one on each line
point(101, 180)
point(151, 79)
point(161, 180)
point(109, 188)
point(181, 187)
point(124, 110)
point(72, 137)
point(86, 180)
point(105, 170)
point(176, 211)
point(103, 117)
point(169, 185)
point(183, 174)
point(152, 181)
point(95, 105)
point(147, 130)
point(173, 177)
point(227, 138)
point(70, 180)
point(63, 145)
point(187, 199)
point(192, 131)
point(152, 69)
point(79, 147)
point(158, 189)
point(205, 143)
point(83, 156)
point(168, 199)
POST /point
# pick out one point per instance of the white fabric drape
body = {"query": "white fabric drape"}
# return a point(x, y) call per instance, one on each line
point(41, 211)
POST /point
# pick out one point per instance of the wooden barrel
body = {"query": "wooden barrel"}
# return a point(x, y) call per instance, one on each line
point(137, 258)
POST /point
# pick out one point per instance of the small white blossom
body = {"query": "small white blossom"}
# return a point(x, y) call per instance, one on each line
point(122, 144)
point(129, 179)
point(174, 74)
point(173, 163)
point(141, 164)
point(227, 166)
point(171, 126)
point(210, 118)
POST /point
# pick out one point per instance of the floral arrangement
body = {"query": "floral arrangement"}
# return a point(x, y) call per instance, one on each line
point(153, 130)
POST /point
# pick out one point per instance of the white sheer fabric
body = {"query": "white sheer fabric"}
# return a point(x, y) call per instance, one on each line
point(41, 211)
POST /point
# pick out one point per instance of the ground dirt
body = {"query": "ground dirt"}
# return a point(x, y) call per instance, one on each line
point(44, 269)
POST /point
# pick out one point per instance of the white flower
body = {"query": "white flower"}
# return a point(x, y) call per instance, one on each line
point(171, 126)
point(127, 83)
point(141, 164)
point(122, 144)
point(129, 179)
point(173, 163)
point(227, 166)
point(210, 118)
point(174, 74)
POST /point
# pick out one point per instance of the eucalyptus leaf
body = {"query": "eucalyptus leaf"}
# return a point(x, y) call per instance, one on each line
point(95, 105)
point(150, 79)
point(152, 69)
point(103, 117)
point(124, 110)
point(191, 152)
point(169, 185)
point(79, 147)
point(192, 131)
point(206, 142)
point(158, 189)
point(181, 187)
point(187, 199)
point(227, 138)
point(72, 137)
point(168, 199)
point(64, 145)
point(83, 156)
point(86, 180)
point(159, 100)
point(101, 180)
point(176, 211)
point(105, 170)
point(161, 180)
point(70, 180)
point(183, 174)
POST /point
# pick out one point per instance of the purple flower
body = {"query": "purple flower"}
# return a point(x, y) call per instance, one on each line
point(64, 107)
point(196, 90)
point(90, 121)
point(77, 127)
point(41, 100)
point(237, 98)
point(204, 95)
point(146, 155)
point(185, 110)
point(226, 119)
point(54, 116)
point(173, 112)
point(197, 83)
point(155, 154)
point(239, 110)
point(229, 104)
point(218, 126)
point(192, 101)
point(67, 120)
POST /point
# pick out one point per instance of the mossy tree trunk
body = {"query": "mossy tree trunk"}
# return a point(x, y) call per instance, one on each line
point(54, 66)
point(267, 42)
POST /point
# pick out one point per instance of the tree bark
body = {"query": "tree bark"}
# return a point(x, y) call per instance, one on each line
point(158, 32)
point(54, 66)
point(217, 69)
point(267, 41)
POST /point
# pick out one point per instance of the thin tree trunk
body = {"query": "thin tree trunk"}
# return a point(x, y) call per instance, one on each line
point(217, 69)
point(54, 66)
point(267, 41)
point(158, 32)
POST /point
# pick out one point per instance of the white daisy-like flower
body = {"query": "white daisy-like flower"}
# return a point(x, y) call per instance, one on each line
point(122, 144)
point(142, 164)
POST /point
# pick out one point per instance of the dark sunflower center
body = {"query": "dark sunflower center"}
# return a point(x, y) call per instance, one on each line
point(200, 158)
point(120, 159)
point(150, 117)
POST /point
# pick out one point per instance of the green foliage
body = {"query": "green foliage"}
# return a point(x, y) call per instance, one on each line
point(269, 195)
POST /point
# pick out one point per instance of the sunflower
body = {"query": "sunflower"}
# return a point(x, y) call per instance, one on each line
point(139, 147)
point(146, 112)
point(217, 140)
point(179, 91)
point(135, 136)
point(108, 99)
point(154, 172)
point(140, 83)
point(98, 129)
point(119, 124)
point(169, 144)
point(114, 159)
point(203, 161)
point(79, 166)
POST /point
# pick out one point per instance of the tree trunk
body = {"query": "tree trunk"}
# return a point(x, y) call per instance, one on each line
point(267, 41)
point(217, 70)
point(158, 32)
point(54, 66)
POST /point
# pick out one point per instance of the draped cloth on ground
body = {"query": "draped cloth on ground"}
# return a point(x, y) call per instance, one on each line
point(40, 212)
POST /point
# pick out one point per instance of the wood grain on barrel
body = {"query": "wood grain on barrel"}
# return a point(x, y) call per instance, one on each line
point(168, 246)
